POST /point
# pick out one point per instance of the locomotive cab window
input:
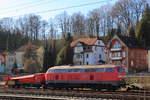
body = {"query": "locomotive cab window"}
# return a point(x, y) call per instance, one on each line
point(119, 69)
point(50, 71)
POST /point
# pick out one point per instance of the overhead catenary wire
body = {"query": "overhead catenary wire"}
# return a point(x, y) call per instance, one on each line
point(18, 4)
point(30, 5)
point(65, 8)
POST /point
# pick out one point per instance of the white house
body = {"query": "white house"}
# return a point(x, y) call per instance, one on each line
point(88, 51)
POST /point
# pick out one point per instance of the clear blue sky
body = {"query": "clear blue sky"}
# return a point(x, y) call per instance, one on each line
point(9, 8)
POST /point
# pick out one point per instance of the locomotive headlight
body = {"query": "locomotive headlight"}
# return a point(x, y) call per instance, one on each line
point(121, 76)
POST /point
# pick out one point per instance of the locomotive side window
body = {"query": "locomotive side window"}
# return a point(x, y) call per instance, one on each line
point(70, 70)
point(60, 70)
point(94, 70)
point(81, 70)
point(109, 70)
point(78, 70)
point(99, 70)
point(90, 70)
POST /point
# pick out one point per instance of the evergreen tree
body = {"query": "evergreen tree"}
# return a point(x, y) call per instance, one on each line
point(131, 31)
point(118, 32)
point(112, 32)
point(68, 38)
point(143, 27)
point(49, 59)
point(65, 56)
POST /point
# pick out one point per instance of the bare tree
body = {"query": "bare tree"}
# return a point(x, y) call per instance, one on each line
point(63, 21)
point(44, 26)
point(78, 25)
point(52, 29)
point(34, 23)
point(126, 12)
point(94, 22)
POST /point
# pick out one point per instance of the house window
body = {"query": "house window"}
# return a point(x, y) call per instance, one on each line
point(11, 59)
point(78, 56)
point(100, 56)
point(95, 48)
point(102, 49)
point(117, 45)
point(110, 55)
point(87, 63)
point(115, 54)
point(87, 55)
point(119, 54)
point(123, 54)
point(80, 63)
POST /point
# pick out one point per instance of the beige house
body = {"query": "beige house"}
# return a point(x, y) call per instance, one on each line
point(21, 61)
point(25, 63)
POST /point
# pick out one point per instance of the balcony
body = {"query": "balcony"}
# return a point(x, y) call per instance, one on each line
point(116, 58)
point(115, 49)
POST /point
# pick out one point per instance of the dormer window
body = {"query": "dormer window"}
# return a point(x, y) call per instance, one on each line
point(117, 45)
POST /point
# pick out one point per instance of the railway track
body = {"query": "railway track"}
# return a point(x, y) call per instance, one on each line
point(75, 94)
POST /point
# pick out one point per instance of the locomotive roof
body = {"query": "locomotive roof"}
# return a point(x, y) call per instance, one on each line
point(83, 66)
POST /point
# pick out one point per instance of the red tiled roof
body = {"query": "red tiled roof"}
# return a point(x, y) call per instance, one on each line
point(88, 41)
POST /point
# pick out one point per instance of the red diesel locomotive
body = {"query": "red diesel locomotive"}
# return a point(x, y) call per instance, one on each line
point(87, 76)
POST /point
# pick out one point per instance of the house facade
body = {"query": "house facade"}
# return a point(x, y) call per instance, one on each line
point(88, 51)
point(2, 63)
point(19, 59)
point(10, 60)
point(148, 57)
point(127, 52)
